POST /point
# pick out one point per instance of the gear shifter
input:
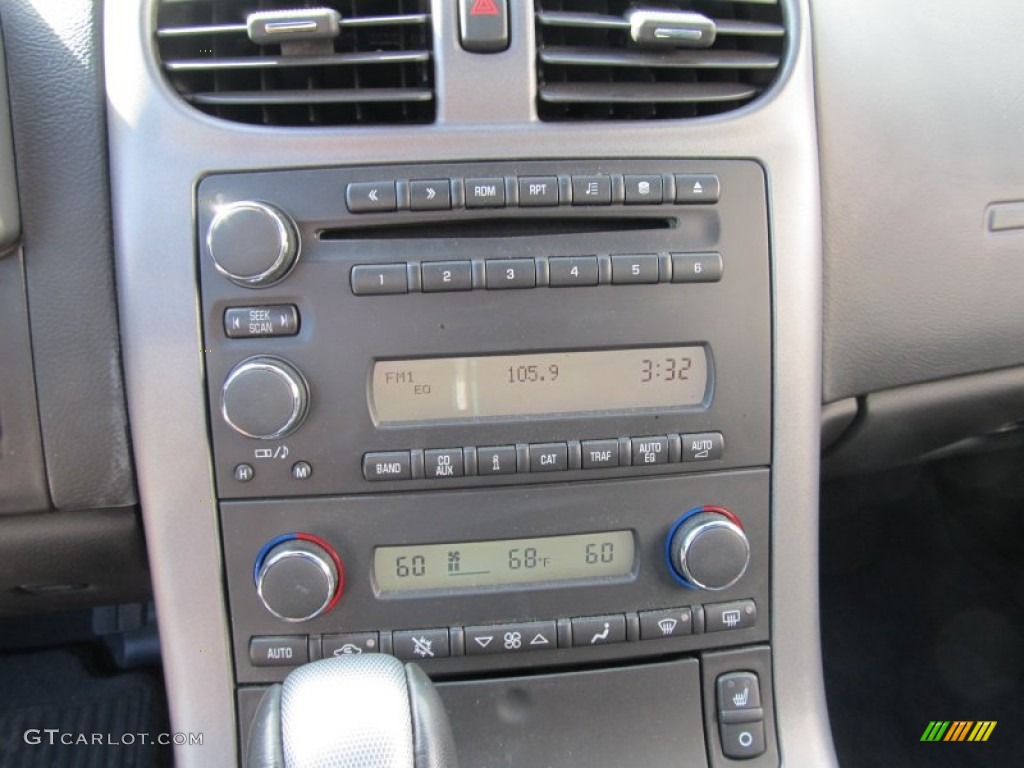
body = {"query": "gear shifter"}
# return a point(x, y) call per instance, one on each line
point(368, 711)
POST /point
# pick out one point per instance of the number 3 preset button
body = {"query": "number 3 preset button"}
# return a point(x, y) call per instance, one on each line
point(447, 276)
point(511, 273)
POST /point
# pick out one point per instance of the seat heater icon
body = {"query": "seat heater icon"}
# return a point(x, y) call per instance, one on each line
point(741, 699)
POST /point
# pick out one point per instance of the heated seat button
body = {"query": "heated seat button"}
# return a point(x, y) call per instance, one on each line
point(253, 322)
point(483, 25)
point(371, 197)
point(738, 692)
point(279, 650)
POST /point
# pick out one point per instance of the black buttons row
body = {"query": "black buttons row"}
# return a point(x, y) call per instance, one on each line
point(553, 272)
point(511, 638)
point(531, 192)
point(449, 463)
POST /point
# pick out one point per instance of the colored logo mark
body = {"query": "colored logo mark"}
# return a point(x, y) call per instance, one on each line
point(958, 730)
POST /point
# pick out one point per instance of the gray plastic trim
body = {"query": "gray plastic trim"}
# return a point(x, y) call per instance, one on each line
point(10, 224)
point(159, 149)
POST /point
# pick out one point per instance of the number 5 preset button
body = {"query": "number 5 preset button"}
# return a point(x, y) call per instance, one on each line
point(511, 273)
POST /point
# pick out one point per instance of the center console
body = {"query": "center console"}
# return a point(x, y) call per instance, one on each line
point(490, 417)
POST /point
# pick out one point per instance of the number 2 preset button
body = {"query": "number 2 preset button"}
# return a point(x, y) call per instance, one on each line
point(511, 273)
point(379, 279)
point(572, 270)
point(447, 276)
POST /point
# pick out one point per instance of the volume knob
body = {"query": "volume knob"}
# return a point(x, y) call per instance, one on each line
point(298, 577)
point(264, 397)
point(252, 244)
point(708, 549)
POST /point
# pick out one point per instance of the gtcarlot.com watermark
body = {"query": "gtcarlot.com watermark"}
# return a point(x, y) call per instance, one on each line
point(55, 736)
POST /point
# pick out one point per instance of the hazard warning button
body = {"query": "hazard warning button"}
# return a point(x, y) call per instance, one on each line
point(483, 25)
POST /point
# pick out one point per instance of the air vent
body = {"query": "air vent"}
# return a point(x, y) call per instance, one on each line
point(630, 60)
point(275, 62)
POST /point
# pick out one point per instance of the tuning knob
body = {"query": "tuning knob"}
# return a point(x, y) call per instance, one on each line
point(264, 397)
point(707, 549)
point(298, 576)
point(252, 244)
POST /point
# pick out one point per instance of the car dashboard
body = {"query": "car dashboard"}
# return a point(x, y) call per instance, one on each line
point(507, 337)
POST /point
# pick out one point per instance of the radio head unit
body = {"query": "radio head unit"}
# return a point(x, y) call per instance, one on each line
point(490, 416)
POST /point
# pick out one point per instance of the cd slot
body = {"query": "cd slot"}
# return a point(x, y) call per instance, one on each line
point(501, 227)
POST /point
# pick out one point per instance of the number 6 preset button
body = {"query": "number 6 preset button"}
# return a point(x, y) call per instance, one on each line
point(511, 273)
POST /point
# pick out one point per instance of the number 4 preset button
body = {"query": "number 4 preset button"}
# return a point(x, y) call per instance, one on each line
point(567, 271)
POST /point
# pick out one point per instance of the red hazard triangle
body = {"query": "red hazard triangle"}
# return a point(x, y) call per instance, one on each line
point(484, 8)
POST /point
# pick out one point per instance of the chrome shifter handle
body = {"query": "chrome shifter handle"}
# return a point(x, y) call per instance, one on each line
point(369, 711)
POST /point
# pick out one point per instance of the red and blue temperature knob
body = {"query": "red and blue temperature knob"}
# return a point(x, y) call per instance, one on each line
point(707, 548)
point(298, 576)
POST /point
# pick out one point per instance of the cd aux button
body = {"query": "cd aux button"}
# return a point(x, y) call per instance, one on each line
point(440, 464)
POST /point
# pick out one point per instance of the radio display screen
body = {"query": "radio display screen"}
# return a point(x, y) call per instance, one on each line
point(447, 388)
point(469, 564)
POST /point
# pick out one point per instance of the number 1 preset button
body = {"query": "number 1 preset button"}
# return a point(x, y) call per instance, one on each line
point(447, 276)
point(379, 279)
